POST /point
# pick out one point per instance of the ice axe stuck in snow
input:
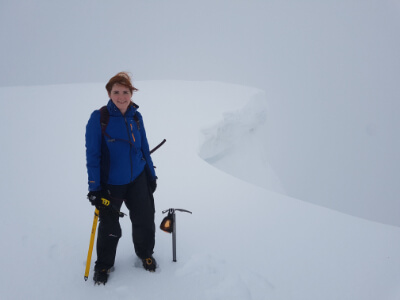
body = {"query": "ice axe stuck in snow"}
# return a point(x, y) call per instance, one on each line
point(168, 224)
point(96, 218)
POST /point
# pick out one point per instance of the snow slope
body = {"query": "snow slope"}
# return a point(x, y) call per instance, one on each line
point(241, 242)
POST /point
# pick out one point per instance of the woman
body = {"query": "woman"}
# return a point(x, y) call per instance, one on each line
point(120, 169)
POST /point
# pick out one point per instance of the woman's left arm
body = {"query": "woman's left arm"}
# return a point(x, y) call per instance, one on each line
point(146, 149)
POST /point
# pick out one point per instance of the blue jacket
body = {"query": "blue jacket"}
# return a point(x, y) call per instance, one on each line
point(120, 156)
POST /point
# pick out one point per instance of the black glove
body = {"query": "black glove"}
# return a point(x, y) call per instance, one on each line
point(153, 186)
point(97, 199)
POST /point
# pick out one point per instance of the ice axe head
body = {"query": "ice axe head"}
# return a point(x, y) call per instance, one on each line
point(167, 223)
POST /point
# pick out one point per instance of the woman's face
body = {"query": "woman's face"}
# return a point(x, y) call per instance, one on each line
point(121, 96)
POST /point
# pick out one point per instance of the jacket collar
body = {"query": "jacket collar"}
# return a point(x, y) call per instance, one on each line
point(114, 111)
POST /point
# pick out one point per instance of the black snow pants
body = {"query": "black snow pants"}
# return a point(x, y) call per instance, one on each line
point(139, 200)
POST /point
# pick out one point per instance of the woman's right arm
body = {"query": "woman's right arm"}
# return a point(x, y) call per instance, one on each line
point(93, 139)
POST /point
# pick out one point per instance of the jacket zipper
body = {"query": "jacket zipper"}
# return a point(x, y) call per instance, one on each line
point(132, 133)
point(130, 146)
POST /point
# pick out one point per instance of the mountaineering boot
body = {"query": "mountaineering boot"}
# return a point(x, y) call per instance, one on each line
point(100, 276)
point(149, 264)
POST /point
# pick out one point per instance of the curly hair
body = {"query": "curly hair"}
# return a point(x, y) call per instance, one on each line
point(122, 78)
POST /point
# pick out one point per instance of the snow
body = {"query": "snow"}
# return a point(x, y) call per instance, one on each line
point(242, 241)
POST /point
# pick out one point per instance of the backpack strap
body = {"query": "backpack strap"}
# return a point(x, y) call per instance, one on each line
point(104, 119)
point(135, 117)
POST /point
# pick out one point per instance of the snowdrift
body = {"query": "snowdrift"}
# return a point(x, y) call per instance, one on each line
point(242, 241)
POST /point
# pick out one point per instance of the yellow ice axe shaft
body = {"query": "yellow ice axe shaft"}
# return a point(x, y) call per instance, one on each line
point(92, 235)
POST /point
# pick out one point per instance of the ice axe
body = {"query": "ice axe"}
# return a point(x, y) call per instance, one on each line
point(158, 146)
point(168, 225)
point(92, 235)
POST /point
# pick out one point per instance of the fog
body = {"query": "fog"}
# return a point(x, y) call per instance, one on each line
point(329, 70)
